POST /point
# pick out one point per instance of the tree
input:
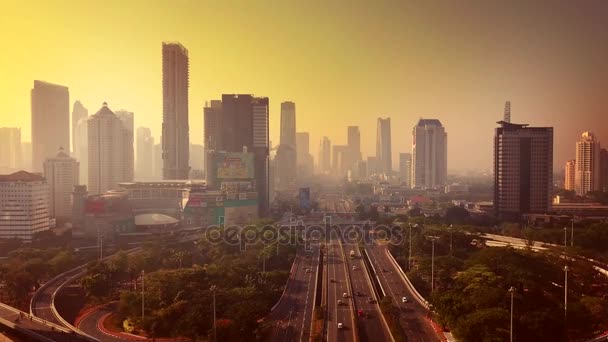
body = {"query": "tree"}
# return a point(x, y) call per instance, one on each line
point(456, 215)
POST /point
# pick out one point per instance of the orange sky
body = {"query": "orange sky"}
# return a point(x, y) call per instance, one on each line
point(342, 62)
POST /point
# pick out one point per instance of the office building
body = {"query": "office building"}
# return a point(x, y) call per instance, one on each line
point(62, 174)
point(288, 124)
point(145, 155)
point(523, 169)
point(340, 160)
point(10, 149)
point(354, 147)
point(405, 169)
point(79, 113)
point(587, 169)
point(325, 156)
point(285, 162)
point(158, 161)
point(110, 151)
point(429, 155)
point(384, 161)
point(372, 166)
point(604, 169)
point(50, 121)
point(127, 120)
point(26, 155)
point(24, 205)
point(175, 129)
point(305, 160)
point(212, 124)
point(569, 171)
point(80, 143)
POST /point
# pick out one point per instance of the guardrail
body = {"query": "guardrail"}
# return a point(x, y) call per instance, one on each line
point(28, 332)
point(369, 282)
point(293, 266)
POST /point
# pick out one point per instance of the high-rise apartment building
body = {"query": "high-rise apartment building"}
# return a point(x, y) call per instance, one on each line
point(354, 147)
point(50, 121)
point(24, 205)
point(175, 131)
point(245, 121)
point(110, 151)
point(587, 169)
point(10, 149)
point(127, 119)
point(79, 113)
point(429, 155)
point(145, 155)
point(288, 124)
point(212, 124)
point(523, 169)
point(384, 161)
point(325, 156)
point(569, 171)
point(405, 169)
point(62, 174)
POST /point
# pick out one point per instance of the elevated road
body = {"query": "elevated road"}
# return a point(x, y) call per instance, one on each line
point(413, 315)
point(291, 319)
point(337, 286)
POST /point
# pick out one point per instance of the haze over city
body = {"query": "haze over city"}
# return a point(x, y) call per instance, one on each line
point(343, 64)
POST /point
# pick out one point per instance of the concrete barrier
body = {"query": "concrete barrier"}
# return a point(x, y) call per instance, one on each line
point(417, 295)
point(293, 267)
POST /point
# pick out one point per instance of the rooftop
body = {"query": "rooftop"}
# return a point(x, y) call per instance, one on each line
point(21, 176)
point(429, 122)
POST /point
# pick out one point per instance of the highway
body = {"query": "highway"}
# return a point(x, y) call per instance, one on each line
point(292, 318)
point(337, 286)
point(412, 319)
point(90, 324)
point(370, 323)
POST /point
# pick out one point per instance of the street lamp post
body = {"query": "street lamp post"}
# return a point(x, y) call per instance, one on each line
point(450, 229)
point(409, 259)
point(565, 237)
point(566, 268)
point(143, 298)
point(433, 238)
point(572, 233)
point(213, 289)
point(512, 291)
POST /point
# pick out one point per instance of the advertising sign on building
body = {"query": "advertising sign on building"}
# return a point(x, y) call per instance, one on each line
point(235, 166)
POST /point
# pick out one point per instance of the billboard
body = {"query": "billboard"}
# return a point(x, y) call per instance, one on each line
point(235, 165)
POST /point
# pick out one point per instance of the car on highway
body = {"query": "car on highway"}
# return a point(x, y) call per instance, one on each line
point(340, 302)
point(345, 295)
point(340, 325)
point(360, 313)
point(404, 299)
point(370, 300)
point(308, 270)
point(354, 267)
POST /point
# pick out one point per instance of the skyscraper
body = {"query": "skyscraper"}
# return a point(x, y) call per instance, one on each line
point(24, 205)
point(288, 124)
point(175, 131)
point(325, 156)
point(79, 112)
point(523, 169)
point(569, 171)
point(245, 121)
point(10, 149)
point(212, 121)
point(109, 159)
point(604, 169)
point(50, 121)
point(429, 154)
point(62, 174)
point(145, 154)
point(126, 118)
point(384, 161)
point(305, 159)
point(339, 160)
point(405, 169)
point(587, 170)
point(354, 147)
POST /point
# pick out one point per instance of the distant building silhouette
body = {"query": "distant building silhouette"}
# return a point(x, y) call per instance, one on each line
point(305, 159)
point(325, 156)
point(523, 169)
point(405, 169)
point(144, 169)
point(288, 124)
point(429, 155)
point(384, 161)
point(11, 155)
point(50, 121)
point(604, 169)
point(80, 140)
point(62, 174)
point(569, 171)
point(340, 160)
point(127, 119)
point(354, 148)
point(79, 112)
point(24, 205)
point(587, 168)
point(175, 130)
point(110, 151)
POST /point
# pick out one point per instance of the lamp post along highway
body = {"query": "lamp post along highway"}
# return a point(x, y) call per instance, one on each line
point(213, 289)
point(511, 291)
point(143, 298)
point(450, 229)
point(433, 238)
point(572, 233)
point(565, 237)
point(409, 258)
point(566, 291)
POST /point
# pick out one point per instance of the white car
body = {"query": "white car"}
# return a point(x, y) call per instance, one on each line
point(354, 267)
point(404, 300)
point(345, 295)
point(340, 325)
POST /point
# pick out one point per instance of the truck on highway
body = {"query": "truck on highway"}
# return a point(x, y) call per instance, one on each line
point(352, 253)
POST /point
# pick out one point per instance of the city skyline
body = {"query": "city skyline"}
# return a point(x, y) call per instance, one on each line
point(423, 74)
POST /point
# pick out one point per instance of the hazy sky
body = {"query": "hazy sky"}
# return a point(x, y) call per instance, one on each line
point(342, 62)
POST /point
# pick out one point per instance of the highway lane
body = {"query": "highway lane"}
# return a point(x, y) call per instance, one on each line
point(24, 321)
point(292, 318)
point(90, 324)
point(337, 286)
point(413, 315)
point(371, 326)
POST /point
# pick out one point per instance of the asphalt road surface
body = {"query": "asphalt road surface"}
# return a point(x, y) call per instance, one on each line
point(413, 315)
point(292, 318)
point(41, 303)
point(337, 287)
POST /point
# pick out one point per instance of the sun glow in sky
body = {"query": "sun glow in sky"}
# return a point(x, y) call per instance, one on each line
point(342, 62)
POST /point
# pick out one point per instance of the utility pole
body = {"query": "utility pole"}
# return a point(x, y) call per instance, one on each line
point(433, 238)
point(143, 296)
point(566, 268)
point(512, 291)
point(213, 289)
point(409, 259)
point(565, 237)
point(572, 233)
point(450, 229)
